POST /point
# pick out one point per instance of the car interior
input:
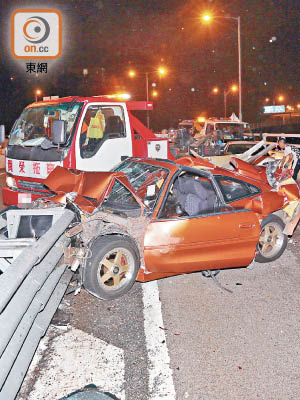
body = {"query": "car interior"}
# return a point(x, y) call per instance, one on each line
point(190, 195)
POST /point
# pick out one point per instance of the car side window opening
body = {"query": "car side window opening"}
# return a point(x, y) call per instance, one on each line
point(147, 180)
point(99, 124)
point(234, 189)
point(190, 195)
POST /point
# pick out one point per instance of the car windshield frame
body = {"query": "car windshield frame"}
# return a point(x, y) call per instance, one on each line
point(33, 125)
point(148, 181)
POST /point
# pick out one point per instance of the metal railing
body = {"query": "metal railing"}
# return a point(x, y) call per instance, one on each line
point(31, 290)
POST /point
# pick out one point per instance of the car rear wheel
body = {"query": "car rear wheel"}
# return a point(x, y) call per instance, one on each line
point(272, 240)
point(112, 269)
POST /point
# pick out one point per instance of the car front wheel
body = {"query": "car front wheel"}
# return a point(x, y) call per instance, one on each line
point(112, 269)
point(272, 240)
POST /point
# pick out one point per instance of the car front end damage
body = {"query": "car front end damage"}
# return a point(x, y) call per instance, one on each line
point(86, 232)
point(106, 206)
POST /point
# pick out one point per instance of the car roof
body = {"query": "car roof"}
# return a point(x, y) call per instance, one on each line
point(207, 171)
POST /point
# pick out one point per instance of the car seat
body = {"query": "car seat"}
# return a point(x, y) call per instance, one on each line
point(194, 198)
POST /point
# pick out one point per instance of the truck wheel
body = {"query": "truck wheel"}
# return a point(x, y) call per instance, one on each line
point(272, 240)
point(112, 269)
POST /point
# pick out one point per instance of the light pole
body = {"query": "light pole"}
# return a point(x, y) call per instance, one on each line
point(147, 98)
point(240, 68)
point(161, 71)
point(37, 93)
point(232, 89)
point(208, 18)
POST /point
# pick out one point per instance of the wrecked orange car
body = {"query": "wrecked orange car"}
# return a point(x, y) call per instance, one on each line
point(150, 219)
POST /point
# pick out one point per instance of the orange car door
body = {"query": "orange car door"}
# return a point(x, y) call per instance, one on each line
point(184, 244)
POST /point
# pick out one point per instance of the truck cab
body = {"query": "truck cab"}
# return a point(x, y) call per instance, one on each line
point(226, 128)
point(96, 133)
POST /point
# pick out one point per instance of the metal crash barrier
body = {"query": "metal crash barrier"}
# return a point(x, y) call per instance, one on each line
point(32, 284)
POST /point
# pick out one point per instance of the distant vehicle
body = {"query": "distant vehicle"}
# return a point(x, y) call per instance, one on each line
point(226, 128)
point(149, 219)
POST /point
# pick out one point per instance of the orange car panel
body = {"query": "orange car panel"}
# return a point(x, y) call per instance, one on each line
point(191, 244)
point(263, 203)
point(291, 191)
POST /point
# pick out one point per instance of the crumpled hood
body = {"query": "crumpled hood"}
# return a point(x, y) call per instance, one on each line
point(89, 188)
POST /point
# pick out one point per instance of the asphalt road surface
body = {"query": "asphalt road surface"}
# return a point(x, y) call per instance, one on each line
point(180, 338)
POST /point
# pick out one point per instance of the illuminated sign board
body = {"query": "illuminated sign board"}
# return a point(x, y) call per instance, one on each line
point(274, 109)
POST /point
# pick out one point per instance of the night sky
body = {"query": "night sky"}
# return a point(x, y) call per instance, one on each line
point(108, 37)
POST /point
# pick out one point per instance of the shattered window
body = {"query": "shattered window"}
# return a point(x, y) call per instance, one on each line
point(35, 123)
point(233, 189)
point(146, 179)
point(121, 201)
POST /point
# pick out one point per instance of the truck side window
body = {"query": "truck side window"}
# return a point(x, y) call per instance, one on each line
point(99, 124)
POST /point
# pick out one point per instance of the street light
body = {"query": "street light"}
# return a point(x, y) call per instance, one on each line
point(233, 89)
point(280, 98)
point(37, 93)
point(161, 71)
point(207, 18)
point(215, 90)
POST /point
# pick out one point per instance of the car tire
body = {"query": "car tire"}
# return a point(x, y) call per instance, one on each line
point(272, 240)
point(111, 270)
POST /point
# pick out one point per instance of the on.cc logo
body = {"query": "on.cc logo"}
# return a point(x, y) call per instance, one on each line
point(36, 29)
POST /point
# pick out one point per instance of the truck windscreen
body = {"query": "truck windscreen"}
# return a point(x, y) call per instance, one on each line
point(34, 124)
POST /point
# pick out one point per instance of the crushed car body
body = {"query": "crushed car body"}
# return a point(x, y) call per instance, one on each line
point(150, 219)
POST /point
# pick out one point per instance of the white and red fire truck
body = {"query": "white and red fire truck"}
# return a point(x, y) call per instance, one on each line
point(95, 133)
